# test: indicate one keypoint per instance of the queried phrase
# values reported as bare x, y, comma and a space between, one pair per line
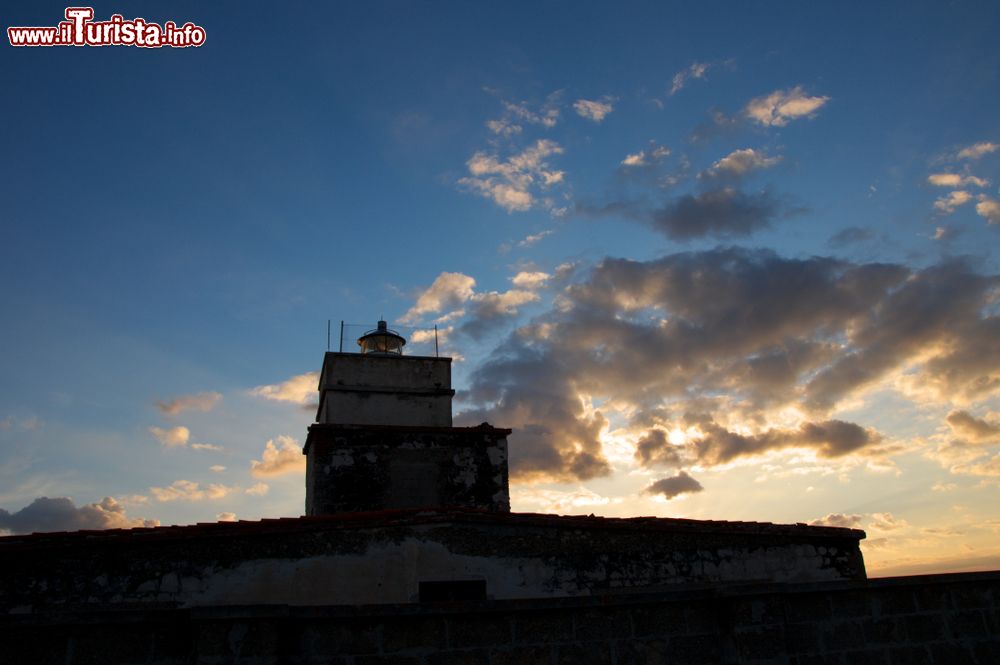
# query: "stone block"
807, 607
543, 627
387, 660
603, 624
886, 630
909, 655
477, 630
802, 638
332, 637
584, 653
236, 639
467, 657
967, 624
988, 652
761, 643
951, 653
693, 650
413, 633
843, 635
971, 597
764, 610
895, 601
850, 604
702, 617
537, 655
866, 657
652, 620
641, 652
932, 597
923, 628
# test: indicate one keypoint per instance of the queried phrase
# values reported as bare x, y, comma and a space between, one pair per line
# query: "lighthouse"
383, 437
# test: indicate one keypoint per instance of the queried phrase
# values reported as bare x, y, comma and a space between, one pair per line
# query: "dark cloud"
721, 213
530, 392
936, 308
673, 486
974, 429
850, 236
61, 514
730, 333
831, 438
654, 449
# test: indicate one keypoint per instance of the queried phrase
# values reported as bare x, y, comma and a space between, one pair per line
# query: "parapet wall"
940, 620
386, 557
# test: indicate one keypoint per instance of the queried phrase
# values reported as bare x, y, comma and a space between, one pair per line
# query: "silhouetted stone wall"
945, 619
369, 558
354, 468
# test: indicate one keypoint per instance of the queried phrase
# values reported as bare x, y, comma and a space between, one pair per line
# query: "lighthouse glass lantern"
382, 341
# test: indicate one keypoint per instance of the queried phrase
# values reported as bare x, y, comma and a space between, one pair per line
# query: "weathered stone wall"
355, 469
944, 620
383, 558
385, 390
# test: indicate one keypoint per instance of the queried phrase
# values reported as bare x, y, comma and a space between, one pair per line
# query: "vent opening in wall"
450, 590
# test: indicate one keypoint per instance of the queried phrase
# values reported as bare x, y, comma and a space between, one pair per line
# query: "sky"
729, 261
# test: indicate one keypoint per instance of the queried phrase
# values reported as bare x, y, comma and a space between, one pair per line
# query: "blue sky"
183, 222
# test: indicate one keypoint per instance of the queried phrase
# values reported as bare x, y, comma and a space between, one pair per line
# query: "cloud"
547, 115
513, 183
838, 519
886, 522
530, 279
977, 150
673, 486
781, 106
198, 402
646, 158
504, 127
850, 236
217, 468
990, 467
739, 163
722, 213
989, 209
556, 501
279, 458
594, 110
716, 342
947, 204
655, 449
489, 307
448, 291
534, 239
226, 517
211, 447
481, 309
171, 437
258, 489
696, 70
186, 490
831, 438
955, 180
299, 389
61, 514
974, 430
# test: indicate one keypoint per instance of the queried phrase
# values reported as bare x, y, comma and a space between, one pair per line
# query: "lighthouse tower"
383, 437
